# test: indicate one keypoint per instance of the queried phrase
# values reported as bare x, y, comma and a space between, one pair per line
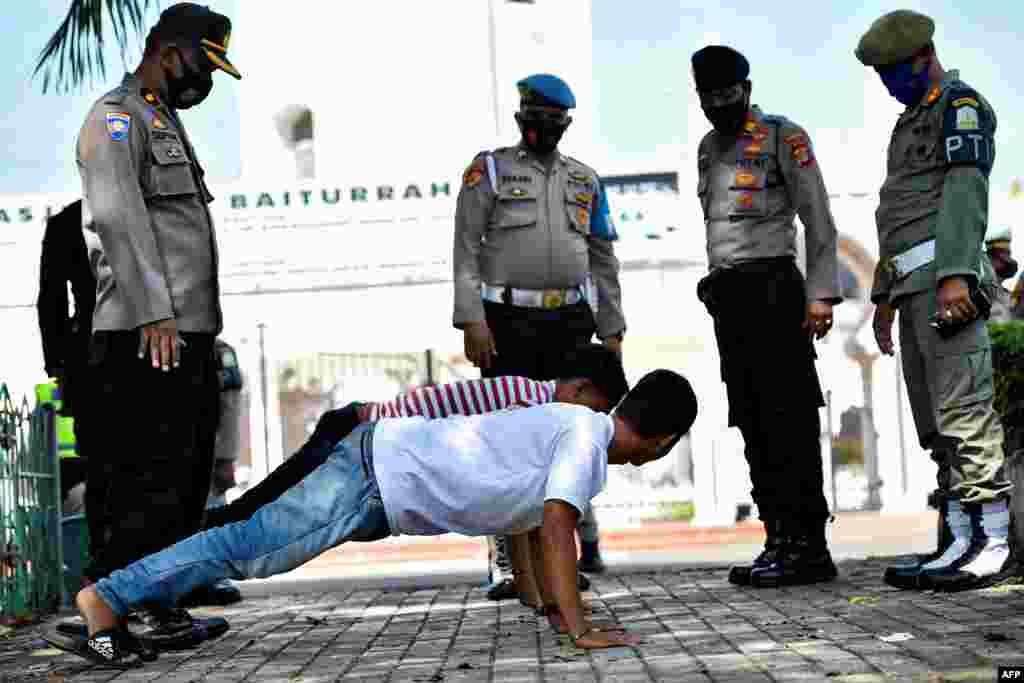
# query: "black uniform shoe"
176, 629
219, 594
590, 559
740, 574
502, 590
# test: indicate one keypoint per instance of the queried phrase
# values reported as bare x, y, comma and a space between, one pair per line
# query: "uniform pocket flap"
516, 207
171, 173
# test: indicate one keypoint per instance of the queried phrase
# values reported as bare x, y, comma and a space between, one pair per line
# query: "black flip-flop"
114, 648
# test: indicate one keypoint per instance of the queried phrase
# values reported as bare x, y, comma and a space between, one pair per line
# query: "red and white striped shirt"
472, 397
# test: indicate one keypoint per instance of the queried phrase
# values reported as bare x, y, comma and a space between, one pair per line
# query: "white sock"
959, 523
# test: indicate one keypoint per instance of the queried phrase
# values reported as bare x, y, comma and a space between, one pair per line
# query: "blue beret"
546, 90
717, 66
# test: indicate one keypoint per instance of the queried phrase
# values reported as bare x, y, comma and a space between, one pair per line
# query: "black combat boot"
740, 574
590, 558
803, 558
907, 574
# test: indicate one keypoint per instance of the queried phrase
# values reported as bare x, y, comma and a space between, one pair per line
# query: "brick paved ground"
695, 625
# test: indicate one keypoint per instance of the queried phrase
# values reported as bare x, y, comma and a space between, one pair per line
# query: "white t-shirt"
489, 474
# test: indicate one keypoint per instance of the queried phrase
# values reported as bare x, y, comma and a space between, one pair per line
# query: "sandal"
114, 648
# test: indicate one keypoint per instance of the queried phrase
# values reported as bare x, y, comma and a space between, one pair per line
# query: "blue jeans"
338, 502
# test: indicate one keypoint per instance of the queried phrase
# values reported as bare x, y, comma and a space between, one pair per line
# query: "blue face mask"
902, 83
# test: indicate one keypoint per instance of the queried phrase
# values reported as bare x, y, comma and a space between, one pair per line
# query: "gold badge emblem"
583, 216
552, 298
745, 179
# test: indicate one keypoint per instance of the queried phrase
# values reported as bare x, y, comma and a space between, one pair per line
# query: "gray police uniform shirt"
752, 186
149, 231
532, 231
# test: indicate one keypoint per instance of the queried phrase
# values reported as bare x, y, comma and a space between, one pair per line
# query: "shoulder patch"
118, 124
799, 145
474, 172
967, 130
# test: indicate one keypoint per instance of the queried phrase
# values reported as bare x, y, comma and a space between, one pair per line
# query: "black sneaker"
176, 629
502, 590
219, 594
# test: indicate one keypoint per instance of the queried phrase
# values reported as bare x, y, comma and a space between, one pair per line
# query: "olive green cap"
895, 37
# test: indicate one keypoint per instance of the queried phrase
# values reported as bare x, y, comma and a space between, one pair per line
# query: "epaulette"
117, 95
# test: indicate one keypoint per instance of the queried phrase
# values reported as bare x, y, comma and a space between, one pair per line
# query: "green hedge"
1008, 367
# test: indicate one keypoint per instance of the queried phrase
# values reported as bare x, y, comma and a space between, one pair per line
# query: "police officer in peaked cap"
932, 219
534, 263
757, 172
153, 248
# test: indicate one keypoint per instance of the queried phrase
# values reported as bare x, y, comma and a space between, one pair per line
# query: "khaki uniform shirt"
751, 188
147, 226
937, 187
532, 231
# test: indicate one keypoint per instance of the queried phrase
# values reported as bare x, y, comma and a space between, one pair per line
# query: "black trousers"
333, 426
774, 394
151, 446
532, 342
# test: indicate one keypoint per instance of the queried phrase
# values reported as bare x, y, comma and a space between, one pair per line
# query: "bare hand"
161, 340
479, 344
885, 316
954, 301
598, 639
819, 318
613, 344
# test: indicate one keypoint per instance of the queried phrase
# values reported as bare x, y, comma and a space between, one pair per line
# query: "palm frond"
74, 53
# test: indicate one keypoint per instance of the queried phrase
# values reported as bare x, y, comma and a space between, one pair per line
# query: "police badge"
118, 124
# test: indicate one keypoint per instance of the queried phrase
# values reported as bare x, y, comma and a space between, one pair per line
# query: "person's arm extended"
558, 546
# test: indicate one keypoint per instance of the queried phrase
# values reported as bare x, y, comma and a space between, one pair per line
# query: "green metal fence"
30, 531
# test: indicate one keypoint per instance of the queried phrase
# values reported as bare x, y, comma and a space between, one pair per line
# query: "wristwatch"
618, 336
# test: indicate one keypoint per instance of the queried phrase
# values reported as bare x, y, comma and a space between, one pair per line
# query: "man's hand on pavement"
599, 638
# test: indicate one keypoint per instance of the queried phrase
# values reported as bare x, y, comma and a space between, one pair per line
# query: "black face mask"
541, 134
1007, 269
729, 119
189, 89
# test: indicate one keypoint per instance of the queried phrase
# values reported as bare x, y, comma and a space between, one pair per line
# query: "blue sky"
801, 55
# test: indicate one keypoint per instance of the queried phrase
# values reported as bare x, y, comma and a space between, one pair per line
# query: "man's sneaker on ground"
176, 629
219, 594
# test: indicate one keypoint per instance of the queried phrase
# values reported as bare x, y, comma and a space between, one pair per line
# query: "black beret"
717, 66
